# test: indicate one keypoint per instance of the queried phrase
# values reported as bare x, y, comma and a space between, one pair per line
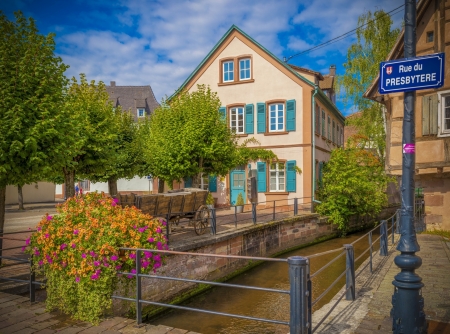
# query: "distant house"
280, 105
432, 116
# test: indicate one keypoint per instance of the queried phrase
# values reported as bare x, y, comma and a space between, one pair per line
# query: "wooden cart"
187, 203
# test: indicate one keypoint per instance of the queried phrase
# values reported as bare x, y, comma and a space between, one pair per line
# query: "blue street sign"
410, 74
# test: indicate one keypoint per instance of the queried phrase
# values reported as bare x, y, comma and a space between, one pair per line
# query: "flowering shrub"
78, 252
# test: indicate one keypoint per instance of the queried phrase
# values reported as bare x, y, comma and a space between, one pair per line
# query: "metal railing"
300, 292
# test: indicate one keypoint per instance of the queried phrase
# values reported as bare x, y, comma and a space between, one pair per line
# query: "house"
37, 192
432, 116
280, 105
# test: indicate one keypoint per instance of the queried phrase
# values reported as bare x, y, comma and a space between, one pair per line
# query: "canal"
263, 304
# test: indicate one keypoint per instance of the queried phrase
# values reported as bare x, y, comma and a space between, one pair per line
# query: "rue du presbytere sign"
409, 74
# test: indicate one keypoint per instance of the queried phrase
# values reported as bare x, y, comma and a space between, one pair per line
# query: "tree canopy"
33, 125
354, 183
188, 137
375, 39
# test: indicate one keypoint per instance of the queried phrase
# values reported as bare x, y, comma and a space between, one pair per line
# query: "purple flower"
113, 204
105, 264
118, 267
159, 245
36, 252
63, 246
49, 218
157, 258
75, 232
142, 229
94, 277
92, 253
83, 255
166, 247
157, 265
96, 263
27, 242
77, 279
49, 259
145, 264
114, 258
158, 230
133, 271
116, 200
164, 223
134, 226
147, 255
150, 240
64, 264
39, 228
132, 256
40, 262
47, 235
23, 248
74, 245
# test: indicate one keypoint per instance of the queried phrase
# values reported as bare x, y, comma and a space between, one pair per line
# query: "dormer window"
228, 71
141, 112
244, 69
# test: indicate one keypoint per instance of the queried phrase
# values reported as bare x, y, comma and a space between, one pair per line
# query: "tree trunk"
2, 216
196, 180
160, 186
20, 193
112, 186
69, 180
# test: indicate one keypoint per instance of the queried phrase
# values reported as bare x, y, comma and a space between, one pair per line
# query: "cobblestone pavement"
18, 316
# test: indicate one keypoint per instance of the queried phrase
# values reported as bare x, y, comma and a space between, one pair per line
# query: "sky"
160, 42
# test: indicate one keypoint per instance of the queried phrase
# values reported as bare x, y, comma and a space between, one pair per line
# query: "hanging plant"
77, 250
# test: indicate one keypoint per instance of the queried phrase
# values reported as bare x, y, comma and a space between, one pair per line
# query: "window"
204, 182
277, 177
237, 120
244, 69
141, 112
329, 127
430, 36
444, 112
323, 122
317, 119
276, 117
228, 71
334, 132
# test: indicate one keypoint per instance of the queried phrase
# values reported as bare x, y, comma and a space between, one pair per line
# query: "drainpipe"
313, 134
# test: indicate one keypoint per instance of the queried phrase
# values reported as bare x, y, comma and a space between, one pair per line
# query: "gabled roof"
302, 69
397, 50
234, 28
327, 83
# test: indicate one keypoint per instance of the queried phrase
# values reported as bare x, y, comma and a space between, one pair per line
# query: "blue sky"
160, 42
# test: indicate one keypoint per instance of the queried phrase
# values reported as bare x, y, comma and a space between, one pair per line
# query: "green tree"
95, 132
375, 39
188, 138
354, 183
34, 127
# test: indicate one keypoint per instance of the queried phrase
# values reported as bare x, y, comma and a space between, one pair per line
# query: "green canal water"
263, 304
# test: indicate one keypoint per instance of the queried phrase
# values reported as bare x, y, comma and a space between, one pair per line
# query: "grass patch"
442, 233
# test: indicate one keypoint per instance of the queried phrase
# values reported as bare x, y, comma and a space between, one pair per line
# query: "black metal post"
350, 272
138, 289
254, 213
407, 301
32, 280
370, 251
298, 278
213, 222
392, 233
383, 239
295, 206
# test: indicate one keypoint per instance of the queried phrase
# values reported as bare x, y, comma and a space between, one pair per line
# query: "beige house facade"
432, 116
281, 106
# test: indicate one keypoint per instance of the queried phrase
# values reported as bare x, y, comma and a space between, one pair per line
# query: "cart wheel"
201, 220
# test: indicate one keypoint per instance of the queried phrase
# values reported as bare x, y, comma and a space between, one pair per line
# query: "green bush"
240, 200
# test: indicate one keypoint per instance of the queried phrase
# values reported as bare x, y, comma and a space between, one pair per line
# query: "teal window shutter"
223, 113
290, 115
261, 172
261, 117
212, 183
249, 126
291, 176
188, 182
320, 173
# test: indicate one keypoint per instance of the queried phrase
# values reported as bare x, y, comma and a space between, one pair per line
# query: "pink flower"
23, 248
164, 223
36, 252
40, 263
74, 245
96, 263
150, 240
142, 229
83, 255
92, 253
77, 279
116, 200
47, 235
94, 277
118, 267
75, 232
132, 256
27, 242
49, 218
133, 271
159, 245
63, 246
114, 258
147, 255
145, 264
157, 265
157, 258
158, 230
39, 228
113, 204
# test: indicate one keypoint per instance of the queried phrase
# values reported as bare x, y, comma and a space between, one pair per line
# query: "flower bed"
78, 252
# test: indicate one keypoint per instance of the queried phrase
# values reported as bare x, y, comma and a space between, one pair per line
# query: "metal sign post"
407, 301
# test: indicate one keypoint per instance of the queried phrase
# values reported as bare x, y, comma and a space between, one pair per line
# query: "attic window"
430, 36
141, 112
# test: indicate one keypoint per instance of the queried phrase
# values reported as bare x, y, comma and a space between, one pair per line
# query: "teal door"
237, 180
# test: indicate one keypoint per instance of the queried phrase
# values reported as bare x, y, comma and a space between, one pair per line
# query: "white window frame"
249, 68
234, 117
277, 105
279, 174
230, 72
138, 110
204, 181
441, 113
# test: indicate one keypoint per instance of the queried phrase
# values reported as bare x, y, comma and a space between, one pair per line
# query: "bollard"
213, 222
138, 289
32, 280
350, 272
254, 213
370, 251
299, 293
383, 238
295, 206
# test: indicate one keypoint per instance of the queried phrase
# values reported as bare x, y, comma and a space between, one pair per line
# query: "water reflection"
262, 304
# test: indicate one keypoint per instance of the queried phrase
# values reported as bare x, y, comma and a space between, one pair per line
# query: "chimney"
332, 70
113, 84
